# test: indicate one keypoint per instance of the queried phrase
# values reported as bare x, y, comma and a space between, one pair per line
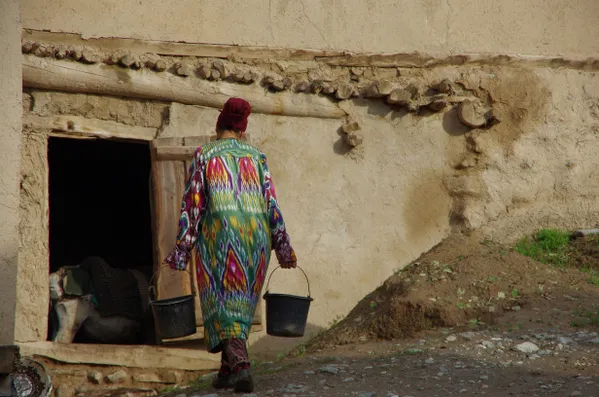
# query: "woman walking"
231, 217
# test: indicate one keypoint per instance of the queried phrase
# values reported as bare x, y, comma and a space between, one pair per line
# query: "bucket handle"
302, 270
152, 289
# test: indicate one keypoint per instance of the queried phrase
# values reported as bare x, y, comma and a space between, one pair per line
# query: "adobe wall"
360, 204
10, 129
416, 172
550, 27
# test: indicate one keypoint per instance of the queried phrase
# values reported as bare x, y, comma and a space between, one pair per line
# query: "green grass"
301, 350
549, 246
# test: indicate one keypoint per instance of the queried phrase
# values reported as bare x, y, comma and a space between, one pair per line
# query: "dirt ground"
466, 282
470, 317
440, 364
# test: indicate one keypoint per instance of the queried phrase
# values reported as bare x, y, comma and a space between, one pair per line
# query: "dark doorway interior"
99, 202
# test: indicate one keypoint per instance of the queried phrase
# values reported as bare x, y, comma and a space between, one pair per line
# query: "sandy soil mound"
465, 282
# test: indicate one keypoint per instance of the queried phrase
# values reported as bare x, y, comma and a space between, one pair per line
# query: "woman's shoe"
242, 381
221, 381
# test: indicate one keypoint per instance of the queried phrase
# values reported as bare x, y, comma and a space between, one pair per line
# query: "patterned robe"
231, 217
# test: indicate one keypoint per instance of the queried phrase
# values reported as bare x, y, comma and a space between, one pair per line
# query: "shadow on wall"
380, 109
340, 146
8, 294
271, 347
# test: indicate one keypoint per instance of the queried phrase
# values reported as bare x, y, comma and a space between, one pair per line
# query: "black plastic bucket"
286, 315
173, 317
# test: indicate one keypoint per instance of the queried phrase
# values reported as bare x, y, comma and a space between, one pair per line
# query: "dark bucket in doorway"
286, 315
173, 317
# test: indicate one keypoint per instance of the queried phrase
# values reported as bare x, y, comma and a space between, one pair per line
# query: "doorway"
99, 203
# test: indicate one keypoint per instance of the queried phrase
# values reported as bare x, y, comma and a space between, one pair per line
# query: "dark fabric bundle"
115, 290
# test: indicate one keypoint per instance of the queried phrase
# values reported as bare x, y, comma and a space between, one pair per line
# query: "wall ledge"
333, 58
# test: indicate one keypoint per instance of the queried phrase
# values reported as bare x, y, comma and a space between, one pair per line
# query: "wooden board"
174, 153
193, 358
168, 182
78, 126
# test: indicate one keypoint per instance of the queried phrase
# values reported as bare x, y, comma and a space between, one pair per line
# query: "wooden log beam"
79, 126
52, 74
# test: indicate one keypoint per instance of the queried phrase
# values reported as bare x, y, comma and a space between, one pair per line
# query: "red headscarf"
234, 115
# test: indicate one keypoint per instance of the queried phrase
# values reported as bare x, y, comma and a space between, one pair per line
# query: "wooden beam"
177, 153
165, 150
81, 126
420, 60
112, 44
52, 74
191, 359
71, 136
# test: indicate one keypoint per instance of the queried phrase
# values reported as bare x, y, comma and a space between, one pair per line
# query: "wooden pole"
585, 233
52, 74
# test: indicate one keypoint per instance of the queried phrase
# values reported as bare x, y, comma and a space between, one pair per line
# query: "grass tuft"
549, 246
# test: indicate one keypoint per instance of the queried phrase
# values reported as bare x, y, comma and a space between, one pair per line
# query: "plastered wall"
354, 222
351, 221
549, 27
354, 217
357, 215
10, 129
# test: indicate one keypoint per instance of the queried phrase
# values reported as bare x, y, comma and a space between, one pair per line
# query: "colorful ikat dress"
231, 217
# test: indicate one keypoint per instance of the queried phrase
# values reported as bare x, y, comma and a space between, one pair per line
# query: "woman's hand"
289, 265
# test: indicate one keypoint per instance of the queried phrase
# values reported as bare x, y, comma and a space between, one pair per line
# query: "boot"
223, 379
242, 381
